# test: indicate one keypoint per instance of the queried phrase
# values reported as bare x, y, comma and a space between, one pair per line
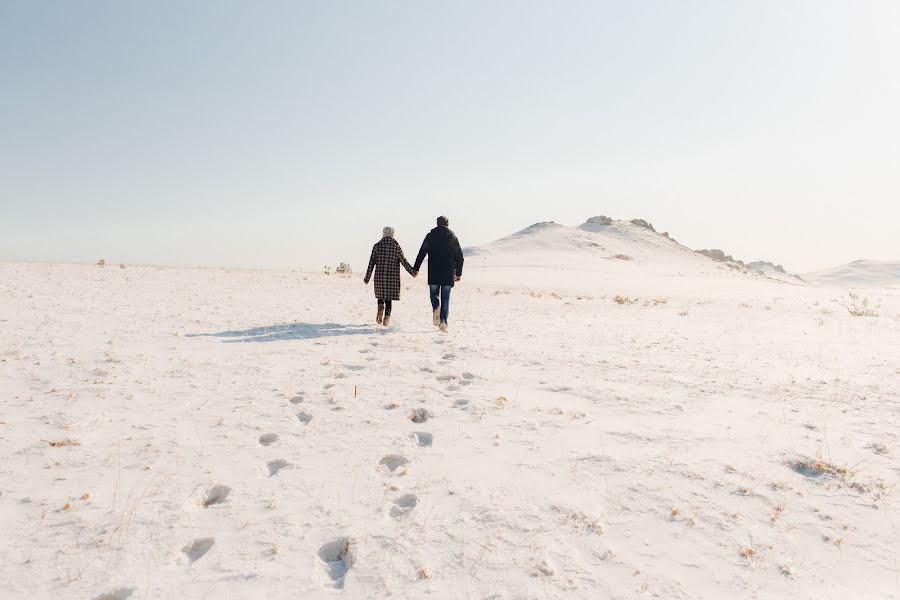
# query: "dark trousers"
387, 305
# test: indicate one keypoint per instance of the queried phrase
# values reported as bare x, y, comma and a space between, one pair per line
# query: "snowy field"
212, 433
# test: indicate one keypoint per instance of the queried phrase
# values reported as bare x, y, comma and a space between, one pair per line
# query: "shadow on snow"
291, 331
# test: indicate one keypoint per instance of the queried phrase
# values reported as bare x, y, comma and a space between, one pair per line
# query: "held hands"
458, 277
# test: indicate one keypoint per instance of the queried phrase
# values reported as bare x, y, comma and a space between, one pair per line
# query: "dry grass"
62, 443
622, 257
880, 449
655, 301
501, 402
818, 467
422, 573
860, 306
624, 299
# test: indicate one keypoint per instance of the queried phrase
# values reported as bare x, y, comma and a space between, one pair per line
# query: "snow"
859, 273
590, 427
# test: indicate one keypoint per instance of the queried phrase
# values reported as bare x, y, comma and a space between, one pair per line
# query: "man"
445, 264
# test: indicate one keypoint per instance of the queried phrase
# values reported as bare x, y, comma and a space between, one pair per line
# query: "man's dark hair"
443, 221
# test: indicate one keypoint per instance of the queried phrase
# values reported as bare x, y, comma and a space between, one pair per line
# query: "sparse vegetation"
859, 306
101, 263
655, 301
344, 269
624, 299
63, 443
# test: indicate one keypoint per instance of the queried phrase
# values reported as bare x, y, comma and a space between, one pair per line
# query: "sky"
287, 134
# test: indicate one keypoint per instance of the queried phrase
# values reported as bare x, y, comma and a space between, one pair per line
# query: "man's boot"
436, 318
380, 316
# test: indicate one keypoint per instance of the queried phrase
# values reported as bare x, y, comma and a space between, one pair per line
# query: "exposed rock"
715, 254
760, 264
600, 220
643, 223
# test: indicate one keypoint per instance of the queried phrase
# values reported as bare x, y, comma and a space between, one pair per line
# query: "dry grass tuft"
624, 299
501, 402
422, 573
62, 443
622, 257
818, 467
880, 449
860, 306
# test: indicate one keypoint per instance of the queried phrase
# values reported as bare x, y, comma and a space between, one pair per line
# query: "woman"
387, 256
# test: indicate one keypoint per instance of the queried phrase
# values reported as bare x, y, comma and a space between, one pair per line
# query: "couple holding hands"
445, 263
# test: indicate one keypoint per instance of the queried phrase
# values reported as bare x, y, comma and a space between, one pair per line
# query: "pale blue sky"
286, 134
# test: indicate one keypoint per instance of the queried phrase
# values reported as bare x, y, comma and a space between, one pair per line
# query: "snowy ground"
714, 437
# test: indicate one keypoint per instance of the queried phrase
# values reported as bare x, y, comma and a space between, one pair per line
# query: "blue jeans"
444, 302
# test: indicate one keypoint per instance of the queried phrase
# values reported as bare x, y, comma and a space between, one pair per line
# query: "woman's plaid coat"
387, 256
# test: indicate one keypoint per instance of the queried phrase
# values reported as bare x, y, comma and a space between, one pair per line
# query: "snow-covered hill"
859, 273
616, 250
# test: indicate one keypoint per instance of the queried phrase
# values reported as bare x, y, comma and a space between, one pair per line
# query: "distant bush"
101, 263
344, 269
327, 270
860, 307
624, 299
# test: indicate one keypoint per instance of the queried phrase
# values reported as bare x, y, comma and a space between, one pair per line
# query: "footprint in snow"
336, 560
117, 594
268, 439
216, 494
276, 465
392, 462
449, 356
446, 377
419, 415
298, 398
198, 548
423, 438
404, 505
461, 402
328, 386
304, 417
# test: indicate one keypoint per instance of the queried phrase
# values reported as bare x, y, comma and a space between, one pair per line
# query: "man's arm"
371, 266
423, 251
458, 257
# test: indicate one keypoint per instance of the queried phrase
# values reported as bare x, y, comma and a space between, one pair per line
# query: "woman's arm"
371, 266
